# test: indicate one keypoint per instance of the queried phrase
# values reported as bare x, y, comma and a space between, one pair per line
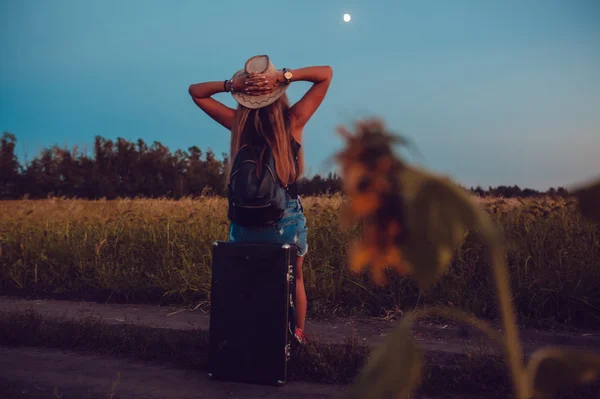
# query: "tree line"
124, 169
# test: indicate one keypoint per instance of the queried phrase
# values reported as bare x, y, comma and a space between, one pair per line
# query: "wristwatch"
287, 75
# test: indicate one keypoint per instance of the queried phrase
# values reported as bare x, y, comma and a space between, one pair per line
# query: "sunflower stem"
512, 344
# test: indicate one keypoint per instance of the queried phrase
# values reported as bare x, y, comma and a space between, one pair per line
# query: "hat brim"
255, 102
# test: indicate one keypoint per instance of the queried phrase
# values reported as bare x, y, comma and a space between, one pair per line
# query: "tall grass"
160, 251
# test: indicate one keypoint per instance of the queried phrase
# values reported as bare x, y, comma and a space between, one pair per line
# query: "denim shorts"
290, 229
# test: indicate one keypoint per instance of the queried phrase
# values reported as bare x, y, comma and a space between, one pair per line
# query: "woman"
264, 115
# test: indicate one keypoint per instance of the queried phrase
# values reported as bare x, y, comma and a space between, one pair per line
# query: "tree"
124, 168
10, 170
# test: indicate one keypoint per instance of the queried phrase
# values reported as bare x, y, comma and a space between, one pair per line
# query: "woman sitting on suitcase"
266, 156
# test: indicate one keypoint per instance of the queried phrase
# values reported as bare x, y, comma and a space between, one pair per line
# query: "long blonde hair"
267, 126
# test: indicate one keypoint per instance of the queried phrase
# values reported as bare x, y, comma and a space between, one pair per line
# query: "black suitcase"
252, 314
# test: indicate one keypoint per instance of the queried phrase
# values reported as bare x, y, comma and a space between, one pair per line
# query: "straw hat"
258, 64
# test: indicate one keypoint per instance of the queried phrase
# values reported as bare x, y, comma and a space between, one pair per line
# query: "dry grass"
160, 250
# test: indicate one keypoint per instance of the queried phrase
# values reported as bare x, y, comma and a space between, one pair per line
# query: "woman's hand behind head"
254, 84
268, 81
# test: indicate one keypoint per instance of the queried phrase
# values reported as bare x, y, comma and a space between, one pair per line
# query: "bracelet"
231, 85
225, 86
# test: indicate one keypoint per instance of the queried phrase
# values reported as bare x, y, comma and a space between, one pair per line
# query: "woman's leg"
300, 295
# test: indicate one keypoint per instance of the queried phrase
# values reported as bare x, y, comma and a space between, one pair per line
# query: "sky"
491, 93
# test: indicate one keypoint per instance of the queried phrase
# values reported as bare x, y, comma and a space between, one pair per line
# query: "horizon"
308, 176
491, 94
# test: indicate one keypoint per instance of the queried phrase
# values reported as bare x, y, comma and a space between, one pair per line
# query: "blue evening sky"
491, 92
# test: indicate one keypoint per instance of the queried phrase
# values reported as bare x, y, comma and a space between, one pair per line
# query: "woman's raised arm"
304, 109
202, 95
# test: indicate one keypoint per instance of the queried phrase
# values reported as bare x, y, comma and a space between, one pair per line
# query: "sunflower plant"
412, 222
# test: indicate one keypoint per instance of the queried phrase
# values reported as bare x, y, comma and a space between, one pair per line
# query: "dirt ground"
35, 373
443, 337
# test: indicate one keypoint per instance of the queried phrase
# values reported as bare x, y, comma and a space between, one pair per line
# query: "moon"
347, 17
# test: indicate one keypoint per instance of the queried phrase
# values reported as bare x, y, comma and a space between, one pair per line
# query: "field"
159, 251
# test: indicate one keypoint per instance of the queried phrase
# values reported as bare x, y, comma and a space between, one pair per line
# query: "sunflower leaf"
439, 216
552, 369
394, 369
589, 201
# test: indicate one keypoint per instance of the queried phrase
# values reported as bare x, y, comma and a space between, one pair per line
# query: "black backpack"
255, 200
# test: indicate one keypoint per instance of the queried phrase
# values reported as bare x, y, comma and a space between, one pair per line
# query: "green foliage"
9, 166
123, 169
